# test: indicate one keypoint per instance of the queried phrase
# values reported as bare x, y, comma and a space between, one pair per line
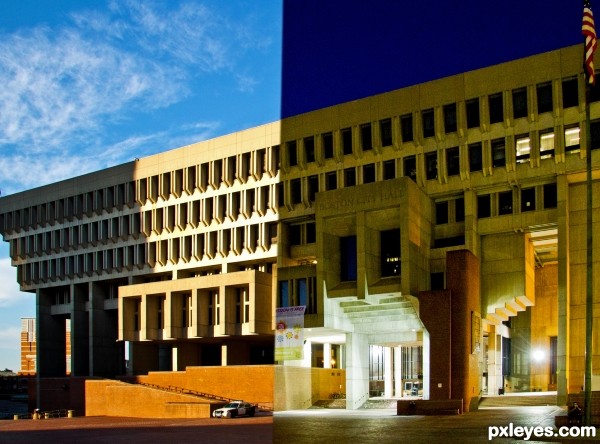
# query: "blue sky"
90, 84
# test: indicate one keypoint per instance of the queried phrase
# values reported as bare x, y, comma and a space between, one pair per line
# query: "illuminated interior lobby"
435, 235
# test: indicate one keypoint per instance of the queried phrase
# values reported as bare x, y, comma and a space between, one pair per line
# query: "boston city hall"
434, 235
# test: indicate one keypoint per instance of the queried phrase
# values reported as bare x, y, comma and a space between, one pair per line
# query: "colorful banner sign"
289, 333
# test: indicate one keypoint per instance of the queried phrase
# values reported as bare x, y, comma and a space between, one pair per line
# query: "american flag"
588, 29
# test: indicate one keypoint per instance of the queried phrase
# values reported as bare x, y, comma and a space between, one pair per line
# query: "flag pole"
588, 30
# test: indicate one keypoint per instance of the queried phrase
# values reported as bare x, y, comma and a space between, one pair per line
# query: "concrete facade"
470, 189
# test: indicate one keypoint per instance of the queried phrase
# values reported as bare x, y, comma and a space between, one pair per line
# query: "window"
572, 139
390, 252
570, 92
348, 258
544, 97
484, 208
385, 132
594, 93
505, 202
523, 148
428, 123
410, 167
284, 294
473, 113
327, 140
459, 209
309, 149
296, 190
295, 234
406, 123
365, 137
431, 165
389, 169
453, 161
498, 152
595, 134
437, 280
441, 212
313, 187
550, 195
369, 173
475, 157
527, 199
349, 177
292, 153
311, 232
331, 181
519, 97
450, 118
496, 108
546, 144
347, 141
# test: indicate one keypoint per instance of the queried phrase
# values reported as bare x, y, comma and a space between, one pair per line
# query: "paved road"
294, 427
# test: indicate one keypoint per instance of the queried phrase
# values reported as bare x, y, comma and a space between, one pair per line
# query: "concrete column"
106, 355
327, 355
398, 371
388, 374
426, 365
357, 370
564, 314
495, 378
79, 331
224, 355
50, 338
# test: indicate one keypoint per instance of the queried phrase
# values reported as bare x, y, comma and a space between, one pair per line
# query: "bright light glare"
538, 355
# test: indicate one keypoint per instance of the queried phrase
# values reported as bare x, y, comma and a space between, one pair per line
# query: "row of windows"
365, 133
109, 260
209, 174
298, 292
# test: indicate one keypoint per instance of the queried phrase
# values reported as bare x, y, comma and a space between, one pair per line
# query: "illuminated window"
390, 252
546, 144
527, 199
523, 148
572, 139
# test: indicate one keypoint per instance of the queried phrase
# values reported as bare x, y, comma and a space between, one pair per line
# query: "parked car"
235, 408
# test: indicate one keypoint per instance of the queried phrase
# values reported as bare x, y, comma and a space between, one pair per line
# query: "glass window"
284, 294
496, 108
428, 123
385, 132
406, 123
390, 252
347, 141
313, 187
311, 232
550, 195
519, 97
453, 161
523, 148
348, 268
475, 157
572, 139
369, 173
459, 209
431, 165
327, 139
296, 190
309, 149
527, 199
595, 134
331, 180
450, 118
546, 144
484, 208
389, 169
366, 140
499, 152
544, 97
292, 152
473, 113
349, 177
302, 291
441, 212
570, 92
505, 202
410, 167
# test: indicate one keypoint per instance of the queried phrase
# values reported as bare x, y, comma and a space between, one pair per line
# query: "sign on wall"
289, 333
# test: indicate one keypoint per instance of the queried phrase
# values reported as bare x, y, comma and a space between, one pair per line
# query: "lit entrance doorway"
396, 371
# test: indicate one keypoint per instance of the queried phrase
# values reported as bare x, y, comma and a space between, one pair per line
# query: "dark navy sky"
339, 50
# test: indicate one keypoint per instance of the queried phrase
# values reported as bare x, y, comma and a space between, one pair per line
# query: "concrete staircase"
519, 400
